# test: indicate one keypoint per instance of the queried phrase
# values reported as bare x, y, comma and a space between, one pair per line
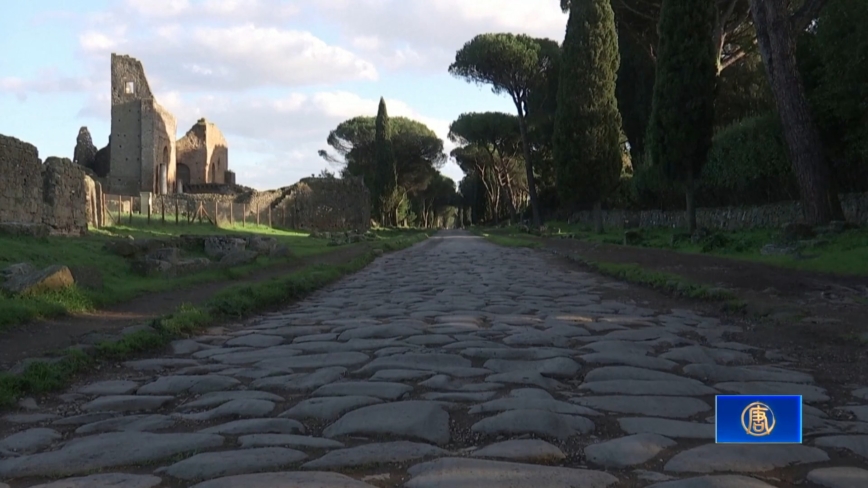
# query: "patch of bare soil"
817, 320
37, 338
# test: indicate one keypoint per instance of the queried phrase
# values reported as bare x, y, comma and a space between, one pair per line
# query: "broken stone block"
55, 277
17, 269
219, 246
238, 258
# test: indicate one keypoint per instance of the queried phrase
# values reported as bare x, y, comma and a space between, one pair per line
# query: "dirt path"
37, 338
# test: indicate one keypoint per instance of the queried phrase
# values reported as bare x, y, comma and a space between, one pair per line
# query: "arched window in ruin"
183, 174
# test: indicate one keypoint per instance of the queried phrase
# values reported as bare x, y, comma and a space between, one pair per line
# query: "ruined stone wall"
327, 204
158, 146
20, 182
51, 198
855, 207
218, 154
193, 154
205, 152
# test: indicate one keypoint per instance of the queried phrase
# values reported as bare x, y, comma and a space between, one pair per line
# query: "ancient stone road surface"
453, 364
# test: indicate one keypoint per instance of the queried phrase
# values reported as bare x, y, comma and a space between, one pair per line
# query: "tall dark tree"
682, 113
777, 43
512, 64
386, 176
587, 132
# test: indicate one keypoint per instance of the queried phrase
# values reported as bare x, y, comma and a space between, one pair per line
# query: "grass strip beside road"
231, 304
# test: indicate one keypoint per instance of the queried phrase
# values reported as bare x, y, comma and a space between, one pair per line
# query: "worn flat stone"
105, 480
525, 378
378, 389
257, 426
400, 375
683, 387
256, 340
211, 465
613, 373
288, 440
555, 367
715, 481
447, 383
538, 422
128, 423
855, 443
429, 340
678, 429
839, 477
628, 359
743, 458
251, 355
375, 454
536, 338
297, 479
627, 451
183, 347
481, 473
707, 355
412, 419
30, 440
661, 406
217, 398
619, 347
528, 402
527, 450
110, 387
309, 361
459, 397
328, 408
127, 403
195, 384
159, 364
302, 381
84, 418
720, 374
810, 393
528, 354
244, 407
102, 451
423, 361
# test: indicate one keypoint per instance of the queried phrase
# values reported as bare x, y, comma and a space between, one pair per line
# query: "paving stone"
683, 387
159, 364
196, 384
128, 423
256, 340
378, 389
661, 406
285, 480
423, 361
536, 338
84, 418
525, 378
555, 367
105, 480
400, 375
126, 403
860, 393
375, 454
855, 443
345, 359
629, 360
619, 347
718, 373
257, 426
327, 336
429, 340
110, 387
743, 458
810, 393
243, 408
412, 419
216, 398
861, 412
527, 450
530, 354
677, 429
538, 422
612, 373
627, 451
102, 451
288, 440
302, 381
459, 396
531, 402
715, 481
839, 477
251, 355
480, 473
328, 408
30, 440
210, 465
707, 355
183, 347
444, 382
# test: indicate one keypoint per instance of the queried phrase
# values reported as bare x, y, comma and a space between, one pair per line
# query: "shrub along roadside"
234, 303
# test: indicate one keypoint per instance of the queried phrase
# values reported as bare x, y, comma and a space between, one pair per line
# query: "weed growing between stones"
669, 283
238, 302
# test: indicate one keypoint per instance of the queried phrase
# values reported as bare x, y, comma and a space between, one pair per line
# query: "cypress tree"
587, 132
385, 177
682, 108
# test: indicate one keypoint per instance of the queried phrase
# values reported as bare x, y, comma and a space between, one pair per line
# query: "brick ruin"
55, 198
203, 157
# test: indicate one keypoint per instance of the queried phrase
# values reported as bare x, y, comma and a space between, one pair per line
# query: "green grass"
512, 240
119, 283
667, 282
845, 253
237, 302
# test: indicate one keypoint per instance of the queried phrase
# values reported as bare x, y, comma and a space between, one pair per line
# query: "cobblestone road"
452, 364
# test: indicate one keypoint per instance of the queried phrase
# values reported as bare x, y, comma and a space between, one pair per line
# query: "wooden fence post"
269, 216
131, 211
216, 221
257, 213
243, 214
163, 211
149, 212
120, 209
231, 213
177, 213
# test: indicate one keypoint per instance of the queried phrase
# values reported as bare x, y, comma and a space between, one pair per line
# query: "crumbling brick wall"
204, 154
51, 198
327, 204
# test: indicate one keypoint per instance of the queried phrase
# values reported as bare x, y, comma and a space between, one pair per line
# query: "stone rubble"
453, 364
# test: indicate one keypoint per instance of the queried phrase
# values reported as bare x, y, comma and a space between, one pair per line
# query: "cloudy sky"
275, 75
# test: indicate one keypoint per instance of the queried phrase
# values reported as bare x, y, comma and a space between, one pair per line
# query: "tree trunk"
598, 217
528, 165
777, 44
689, 196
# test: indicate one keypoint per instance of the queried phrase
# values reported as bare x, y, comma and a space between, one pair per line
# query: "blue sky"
275, 75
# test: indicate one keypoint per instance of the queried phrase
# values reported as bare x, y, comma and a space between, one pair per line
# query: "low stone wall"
55, 198
328, 204
726, 218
